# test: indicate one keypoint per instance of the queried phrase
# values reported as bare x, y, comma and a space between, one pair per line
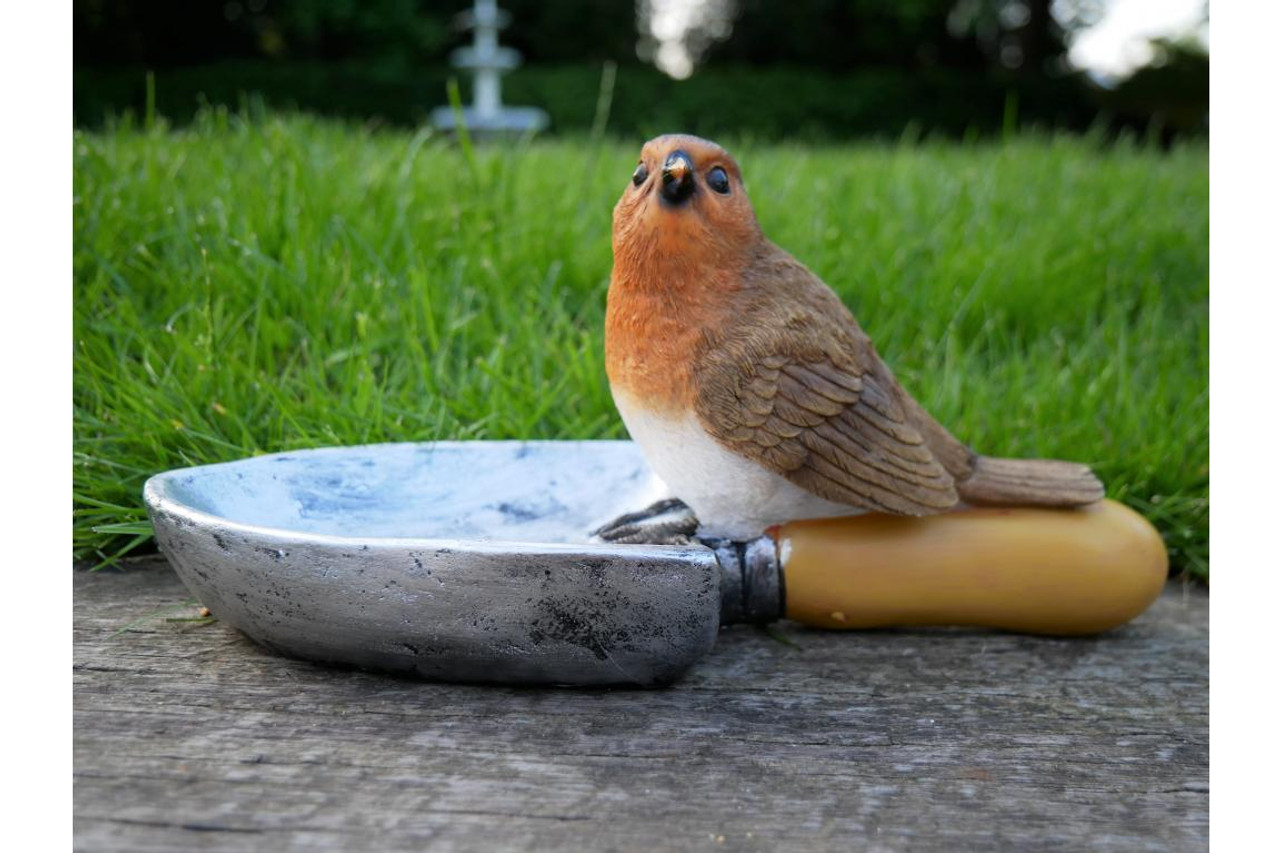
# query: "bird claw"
666, 522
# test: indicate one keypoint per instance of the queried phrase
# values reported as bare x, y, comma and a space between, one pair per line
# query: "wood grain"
189, 737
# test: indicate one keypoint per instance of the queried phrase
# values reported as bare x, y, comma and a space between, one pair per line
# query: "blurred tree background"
803, 69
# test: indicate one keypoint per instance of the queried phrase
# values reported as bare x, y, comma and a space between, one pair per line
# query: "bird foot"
666, 522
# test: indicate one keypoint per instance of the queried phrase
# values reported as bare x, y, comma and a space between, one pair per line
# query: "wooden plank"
190, 737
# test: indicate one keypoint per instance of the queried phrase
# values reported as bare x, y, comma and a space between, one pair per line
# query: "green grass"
248, 286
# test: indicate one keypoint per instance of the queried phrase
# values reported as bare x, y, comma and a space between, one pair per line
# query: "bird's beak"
677, 177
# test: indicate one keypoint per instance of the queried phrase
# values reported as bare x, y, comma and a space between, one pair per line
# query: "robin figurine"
751, 388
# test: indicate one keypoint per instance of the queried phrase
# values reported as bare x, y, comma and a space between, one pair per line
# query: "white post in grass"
488, 62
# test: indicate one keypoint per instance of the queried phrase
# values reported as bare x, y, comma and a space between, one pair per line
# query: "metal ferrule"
751, 588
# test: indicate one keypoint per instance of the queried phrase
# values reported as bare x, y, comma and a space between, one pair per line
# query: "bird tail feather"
1029, 482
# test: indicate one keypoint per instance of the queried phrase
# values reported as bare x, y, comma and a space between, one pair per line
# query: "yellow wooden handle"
1043, 571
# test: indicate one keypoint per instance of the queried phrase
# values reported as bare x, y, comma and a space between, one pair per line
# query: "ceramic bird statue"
752, 390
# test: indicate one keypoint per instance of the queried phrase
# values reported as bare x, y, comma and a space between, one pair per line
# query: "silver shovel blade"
458, 561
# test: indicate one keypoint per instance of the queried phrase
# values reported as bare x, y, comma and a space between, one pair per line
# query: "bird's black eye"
640, 175
718, 180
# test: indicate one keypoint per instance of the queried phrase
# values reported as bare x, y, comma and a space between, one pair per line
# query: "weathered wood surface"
189, 737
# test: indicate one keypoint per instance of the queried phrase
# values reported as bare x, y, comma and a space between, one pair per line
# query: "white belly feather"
731, 495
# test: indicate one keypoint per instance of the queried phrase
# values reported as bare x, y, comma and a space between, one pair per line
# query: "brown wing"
798, 387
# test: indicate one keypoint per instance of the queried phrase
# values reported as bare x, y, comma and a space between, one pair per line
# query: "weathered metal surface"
463, 562
751, 581
189, 737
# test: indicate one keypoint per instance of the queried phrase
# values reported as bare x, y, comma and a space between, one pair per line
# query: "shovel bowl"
455, 561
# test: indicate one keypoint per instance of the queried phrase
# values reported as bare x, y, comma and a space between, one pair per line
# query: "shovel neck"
751, 588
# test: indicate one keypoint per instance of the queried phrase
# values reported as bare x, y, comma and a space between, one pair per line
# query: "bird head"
684, 207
